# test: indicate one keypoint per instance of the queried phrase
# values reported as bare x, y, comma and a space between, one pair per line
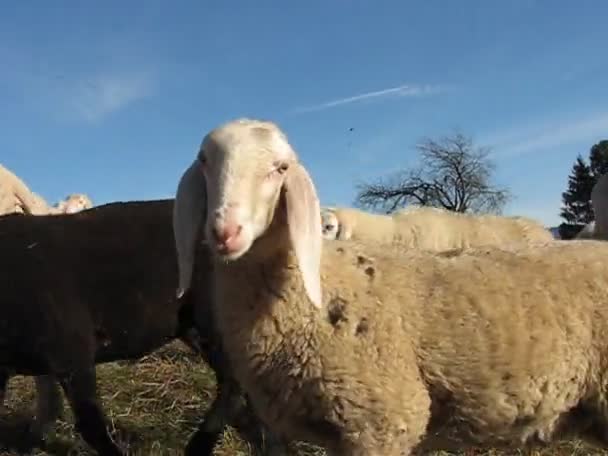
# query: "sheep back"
104, 277
437, 229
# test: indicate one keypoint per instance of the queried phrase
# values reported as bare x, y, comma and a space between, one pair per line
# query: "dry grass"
154, 406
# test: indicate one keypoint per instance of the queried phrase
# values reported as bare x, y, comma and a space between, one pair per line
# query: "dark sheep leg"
4, 376
265, 443
192, 340
49, 406
209, 430
230, 407
80, 389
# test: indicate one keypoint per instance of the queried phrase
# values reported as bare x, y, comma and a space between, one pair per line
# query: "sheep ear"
189, 212
304, 221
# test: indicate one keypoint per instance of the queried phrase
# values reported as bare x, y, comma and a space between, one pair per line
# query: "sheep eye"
202, 160
283, 167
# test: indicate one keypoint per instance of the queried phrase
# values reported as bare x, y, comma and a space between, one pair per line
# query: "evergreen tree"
576, 207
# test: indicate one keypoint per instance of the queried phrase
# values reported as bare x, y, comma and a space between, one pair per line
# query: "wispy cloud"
392, 92
93, 99
74, 94
547, 135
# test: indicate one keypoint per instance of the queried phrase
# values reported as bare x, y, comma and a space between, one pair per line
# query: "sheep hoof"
201, 444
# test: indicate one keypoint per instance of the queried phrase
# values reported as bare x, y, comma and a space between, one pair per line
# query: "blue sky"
113, 98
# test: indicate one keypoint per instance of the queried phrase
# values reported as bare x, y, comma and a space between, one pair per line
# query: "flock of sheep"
365, 334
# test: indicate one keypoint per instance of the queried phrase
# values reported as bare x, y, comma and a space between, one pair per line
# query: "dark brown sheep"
93, 287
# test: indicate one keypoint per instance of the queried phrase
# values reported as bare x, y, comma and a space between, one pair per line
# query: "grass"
154, 405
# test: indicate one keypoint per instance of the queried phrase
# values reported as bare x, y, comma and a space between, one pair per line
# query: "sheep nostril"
227, 233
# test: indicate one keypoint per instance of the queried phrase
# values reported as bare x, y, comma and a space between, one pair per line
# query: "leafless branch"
453, 174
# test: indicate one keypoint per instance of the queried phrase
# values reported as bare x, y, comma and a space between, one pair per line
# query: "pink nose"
226, 237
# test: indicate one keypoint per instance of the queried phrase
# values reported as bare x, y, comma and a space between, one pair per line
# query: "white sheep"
73, 203
345, 223
430, 228
400, 346
16, 196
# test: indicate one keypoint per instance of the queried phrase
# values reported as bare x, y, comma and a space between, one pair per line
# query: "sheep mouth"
226, 255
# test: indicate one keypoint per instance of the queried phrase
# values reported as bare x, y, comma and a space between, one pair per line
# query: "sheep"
345, 223
599, 201
15, 196
89, 288
366, 350
430, 228
73, 203
597, 229
22, 200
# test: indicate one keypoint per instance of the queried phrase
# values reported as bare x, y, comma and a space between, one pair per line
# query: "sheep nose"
226, 236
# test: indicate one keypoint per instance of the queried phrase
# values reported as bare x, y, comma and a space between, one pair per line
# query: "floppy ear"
189, 212
304, 221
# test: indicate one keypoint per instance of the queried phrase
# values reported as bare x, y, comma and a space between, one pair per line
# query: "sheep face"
242, 192
245, 170
76, 203
330, 225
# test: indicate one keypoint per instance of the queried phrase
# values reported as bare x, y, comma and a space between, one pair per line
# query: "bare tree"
453, 174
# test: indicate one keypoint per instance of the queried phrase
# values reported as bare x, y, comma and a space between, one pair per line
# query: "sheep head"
336, 226
75, 203
246, 171
330, 224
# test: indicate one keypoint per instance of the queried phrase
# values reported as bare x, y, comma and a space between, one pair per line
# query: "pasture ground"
154, 406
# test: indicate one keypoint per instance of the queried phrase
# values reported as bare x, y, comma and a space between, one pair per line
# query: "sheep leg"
192, 340
265, 442
49, 406
80, 389
222, 409
4, 376
597, 428
230, 407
